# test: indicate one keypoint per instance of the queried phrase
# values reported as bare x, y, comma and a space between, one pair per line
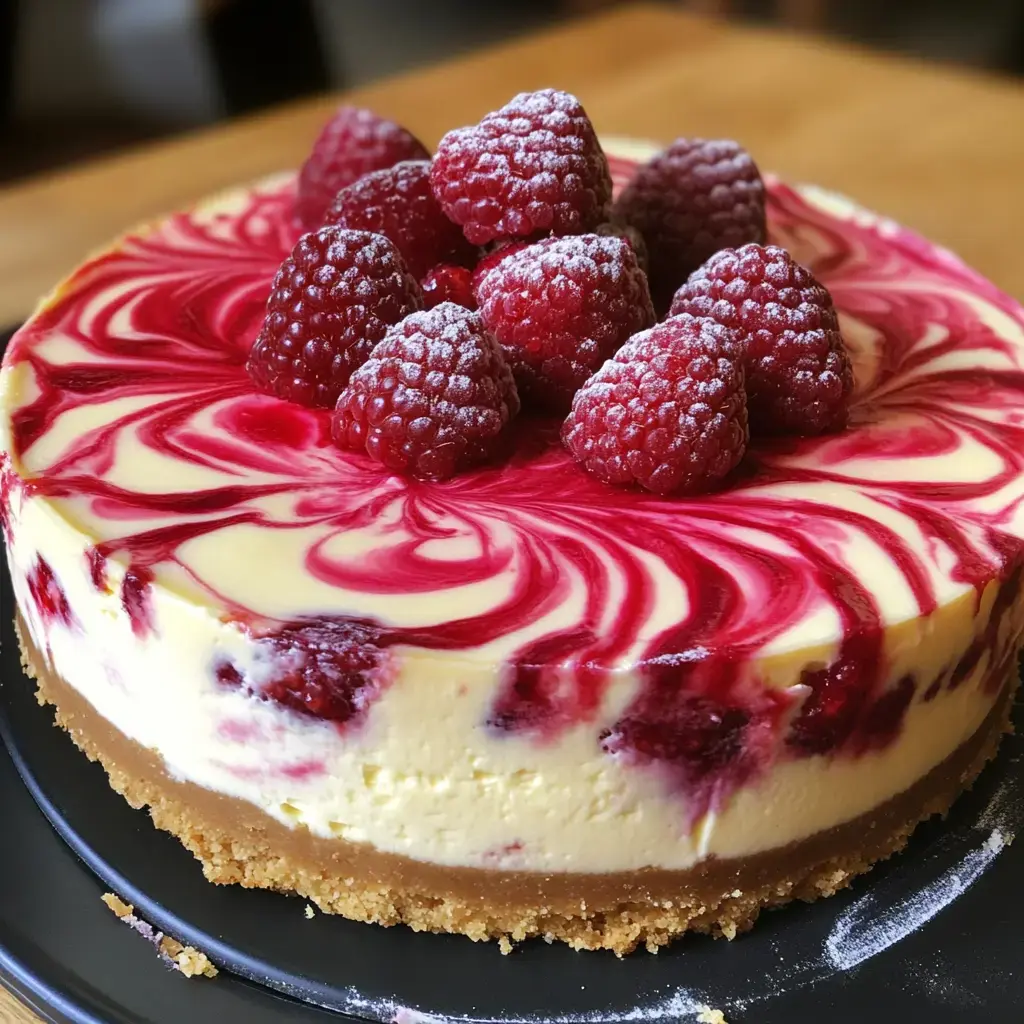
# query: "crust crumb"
707, 1015
310, 912
188, 960
184, 959
118, 905
504, 945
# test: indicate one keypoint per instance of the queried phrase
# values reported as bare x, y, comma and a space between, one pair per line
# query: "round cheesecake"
518, 702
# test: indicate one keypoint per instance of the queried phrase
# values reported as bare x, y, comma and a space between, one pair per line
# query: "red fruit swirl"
569, 578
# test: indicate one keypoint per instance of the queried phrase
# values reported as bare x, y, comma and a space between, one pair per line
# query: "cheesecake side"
164, 525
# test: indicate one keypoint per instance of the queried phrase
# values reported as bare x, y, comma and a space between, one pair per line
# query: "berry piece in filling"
535, 165
331, 302
397, 202
667, 412
7, 489
331, 669
353, 143
446, 283
798, 371
47, 594
689, 201
434, 397
560, 308
697, 739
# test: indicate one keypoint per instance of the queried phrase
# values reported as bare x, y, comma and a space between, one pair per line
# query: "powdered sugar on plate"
873, 923
864, 930
679, 1006
870, 925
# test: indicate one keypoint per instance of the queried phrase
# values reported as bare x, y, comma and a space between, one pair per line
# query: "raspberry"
434, 397
689, 201
668, 411
397, 202
798, 371
560, 308
331, 669
493, 258
331, 302
446, 283
534, 165
620, 229
353, 143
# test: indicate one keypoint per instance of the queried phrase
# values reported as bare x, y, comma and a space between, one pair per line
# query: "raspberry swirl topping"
135, 414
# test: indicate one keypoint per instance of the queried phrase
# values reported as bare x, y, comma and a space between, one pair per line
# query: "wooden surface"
12, 1012
938, 149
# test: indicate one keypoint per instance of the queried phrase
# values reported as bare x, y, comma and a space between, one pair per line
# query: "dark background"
83, 77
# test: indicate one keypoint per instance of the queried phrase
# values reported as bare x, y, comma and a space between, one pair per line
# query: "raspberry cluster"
433, 297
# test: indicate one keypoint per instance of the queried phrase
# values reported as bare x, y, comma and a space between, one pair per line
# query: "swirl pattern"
140, 421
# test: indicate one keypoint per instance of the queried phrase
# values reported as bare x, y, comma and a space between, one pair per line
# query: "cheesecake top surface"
126, 403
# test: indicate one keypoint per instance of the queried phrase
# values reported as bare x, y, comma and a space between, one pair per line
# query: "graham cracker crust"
237, 843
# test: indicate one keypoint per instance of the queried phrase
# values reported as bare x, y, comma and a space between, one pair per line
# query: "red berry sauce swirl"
529, 562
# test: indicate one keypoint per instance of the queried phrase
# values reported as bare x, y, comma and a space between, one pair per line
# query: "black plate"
902, 945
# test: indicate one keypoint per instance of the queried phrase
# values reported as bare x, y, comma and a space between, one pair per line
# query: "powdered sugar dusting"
555, 262
863, 931
679, 1005
1005, 810
869, 927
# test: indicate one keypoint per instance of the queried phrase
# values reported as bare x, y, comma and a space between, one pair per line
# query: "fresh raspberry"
689, 201
620, 229
446, 283
668, 411
397, 202
331, 302
560, 308
798, 371
493, 258
433, 398
353, 143
332, 669
534, 165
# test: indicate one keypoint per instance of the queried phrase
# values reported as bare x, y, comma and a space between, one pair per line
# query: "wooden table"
939, 149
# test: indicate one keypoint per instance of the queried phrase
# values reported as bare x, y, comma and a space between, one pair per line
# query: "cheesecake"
541, 705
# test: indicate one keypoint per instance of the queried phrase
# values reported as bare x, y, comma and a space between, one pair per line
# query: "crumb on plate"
708, 1015
185, 959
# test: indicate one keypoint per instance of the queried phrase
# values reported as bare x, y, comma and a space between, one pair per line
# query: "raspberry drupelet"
445, 283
